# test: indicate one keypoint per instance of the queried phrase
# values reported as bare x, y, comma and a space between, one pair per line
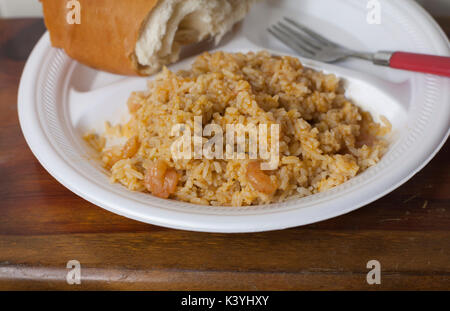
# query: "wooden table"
43, 226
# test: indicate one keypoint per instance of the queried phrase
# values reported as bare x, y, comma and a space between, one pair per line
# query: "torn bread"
138, 36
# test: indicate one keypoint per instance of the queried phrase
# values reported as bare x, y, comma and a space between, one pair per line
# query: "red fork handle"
438, 65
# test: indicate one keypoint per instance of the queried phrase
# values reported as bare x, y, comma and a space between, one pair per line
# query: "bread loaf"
138, 37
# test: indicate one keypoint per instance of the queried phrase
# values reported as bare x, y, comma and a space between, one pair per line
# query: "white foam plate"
60, 99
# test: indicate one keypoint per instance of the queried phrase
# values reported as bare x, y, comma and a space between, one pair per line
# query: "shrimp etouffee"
324, 139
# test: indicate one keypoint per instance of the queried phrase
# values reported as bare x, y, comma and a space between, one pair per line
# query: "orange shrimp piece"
160, 180
113, 155
130, 148
365, 139
171, 181
260, 180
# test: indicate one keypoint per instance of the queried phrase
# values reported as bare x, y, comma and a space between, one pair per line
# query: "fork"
310, 44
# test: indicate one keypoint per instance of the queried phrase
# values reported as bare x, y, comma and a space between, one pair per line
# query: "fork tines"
300, 38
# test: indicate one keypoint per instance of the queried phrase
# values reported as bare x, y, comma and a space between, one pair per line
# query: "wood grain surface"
43, 226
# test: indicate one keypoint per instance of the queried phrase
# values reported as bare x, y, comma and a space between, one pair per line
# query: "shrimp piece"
115, 154
130, 148
171, 181
365, 139
160, 180
260, 181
